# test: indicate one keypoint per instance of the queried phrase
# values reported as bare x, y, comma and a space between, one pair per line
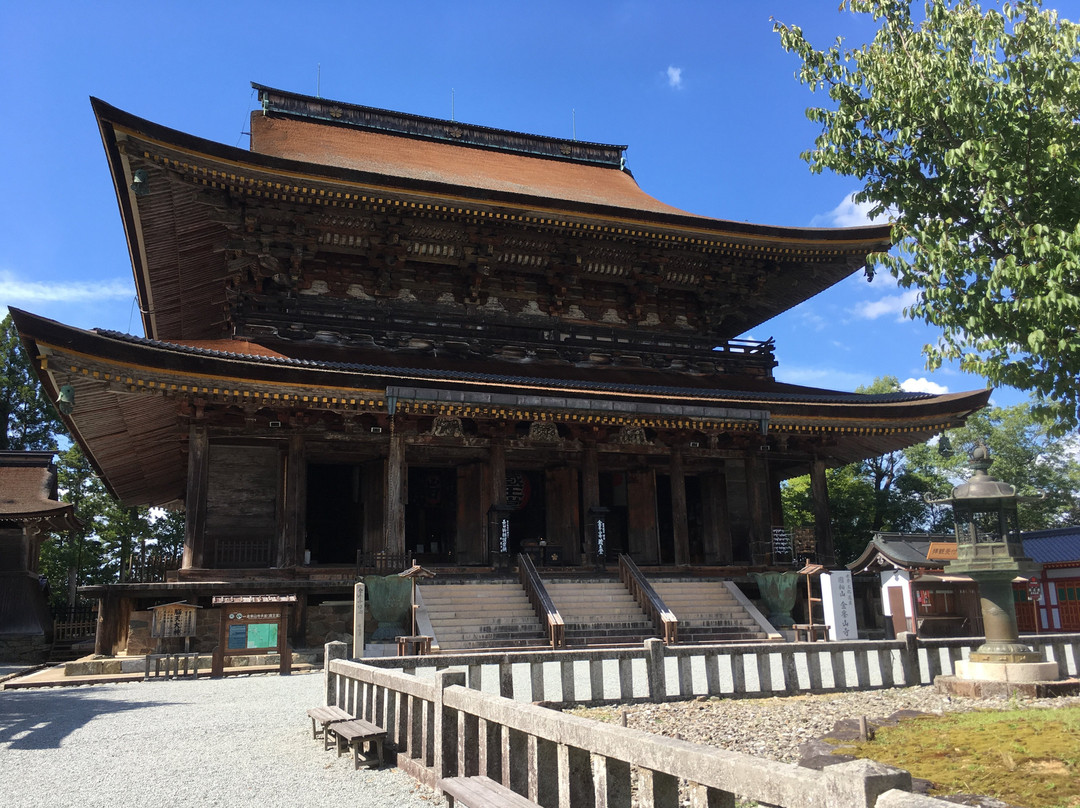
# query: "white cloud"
17, 292
923, 385
848, 213
674, 77
890, 304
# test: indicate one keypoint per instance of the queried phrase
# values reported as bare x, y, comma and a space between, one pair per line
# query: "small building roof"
28, 492
1054, 547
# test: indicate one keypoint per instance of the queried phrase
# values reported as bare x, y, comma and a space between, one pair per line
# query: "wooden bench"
481, 792
355, 733
324, 717
810, 632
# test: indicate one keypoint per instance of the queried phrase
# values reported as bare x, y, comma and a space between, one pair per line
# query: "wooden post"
679, 523
195, 498
717, 523
823, 534
642, 539
395, 496
759, 506
590, 496
291, 538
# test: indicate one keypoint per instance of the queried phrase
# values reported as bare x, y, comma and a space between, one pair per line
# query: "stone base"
1006, 671
987, 688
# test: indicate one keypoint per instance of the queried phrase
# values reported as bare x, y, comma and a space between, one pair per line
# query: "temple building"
375, 332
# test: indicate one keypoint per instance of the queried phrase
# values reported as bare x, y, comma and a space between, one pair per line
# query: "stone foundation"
30, 648
986, 688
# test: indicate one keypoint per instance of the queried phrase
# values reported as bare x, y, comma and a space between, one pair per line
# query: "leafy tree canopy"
27, 417
962, 127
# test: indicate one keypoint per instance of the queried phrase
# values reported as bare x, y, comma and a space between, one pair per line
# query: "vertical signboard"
838, 601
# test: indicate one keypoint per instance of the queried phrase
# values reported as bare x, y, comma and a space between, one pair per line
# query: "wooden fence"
439, 728
658, 673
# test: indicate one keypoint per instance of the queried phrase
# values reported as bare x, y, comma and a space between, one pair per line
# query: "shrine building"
374, 332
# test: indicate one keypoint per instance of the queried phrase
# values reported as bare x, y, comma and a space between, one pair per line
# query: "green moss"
1025, 757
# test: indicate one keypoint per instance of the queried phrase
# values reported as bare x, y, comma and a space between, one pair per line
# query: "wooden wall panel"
244, 486
563, 512
641, 516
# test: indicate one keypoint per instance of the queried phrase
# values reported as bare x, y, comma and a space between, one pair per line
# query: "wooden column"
759, 507
372, 485
641, 516
679, 526
394, 522
590, 496
717, 523
823, 533
563, 517
294, 517
472, 506
195, 498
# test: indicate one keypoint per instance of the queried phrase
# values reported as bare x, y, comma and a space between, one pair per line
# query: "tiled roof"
27, 488
1055, 546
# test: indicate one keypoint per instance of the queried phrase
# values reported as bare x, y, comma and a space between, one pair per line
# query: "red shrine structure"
375, 332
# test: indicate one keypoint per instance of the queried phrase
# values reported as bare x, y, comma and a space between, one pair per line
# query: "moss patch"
1024, 757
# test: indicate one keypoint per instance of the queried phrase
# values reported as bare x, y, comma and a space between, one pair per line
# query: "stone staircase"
708, 612
599, 612
470, 615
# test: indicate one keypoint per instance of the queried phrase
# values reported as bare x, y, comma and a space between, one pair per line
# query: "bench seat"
356, 733
481, 792
324, 717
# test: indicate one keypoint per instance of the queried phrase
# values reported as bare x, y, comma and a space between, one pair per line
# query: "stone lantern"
988, 550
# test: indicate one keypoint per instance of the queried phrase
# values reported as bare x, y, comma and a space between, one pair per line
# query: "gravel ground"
776, 727
240, 741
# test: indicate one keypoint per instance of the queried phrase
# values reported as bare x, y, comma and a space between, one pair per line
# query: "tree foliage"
962, 127
27, 417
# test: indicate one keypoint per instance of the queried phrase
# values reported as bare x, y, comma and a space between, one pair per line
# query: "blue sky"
700, 91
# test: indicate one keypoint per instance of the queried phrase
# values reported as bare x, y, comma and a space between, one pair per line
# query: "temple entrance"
431, 515
335, 512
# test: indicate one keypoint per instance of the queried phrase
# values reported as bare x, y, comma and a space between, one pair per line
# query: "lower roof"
127, 390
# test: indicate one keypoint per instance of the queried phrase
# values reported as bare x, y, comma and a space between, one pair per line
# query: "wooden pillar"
394, 522
195, 554
823, 533
372, 485
472, 507
717, 523
498, 472
294, 519
641, 516
590, 496
113, 622
759, 507
680, 527
563, 517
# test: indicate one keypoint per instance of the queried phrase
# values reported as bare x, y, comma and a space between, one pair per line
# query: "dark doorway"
431, 514
335, 513
613, 496
528, 519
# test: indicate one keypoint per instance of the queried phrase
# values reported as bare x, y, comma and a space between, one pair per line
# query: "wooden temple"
378, 332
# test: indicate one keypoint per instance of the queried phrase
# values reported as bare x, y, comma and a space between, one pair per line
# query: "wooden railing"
444, 727
541, 601
381, 562
651, 603
242, 553
74, 625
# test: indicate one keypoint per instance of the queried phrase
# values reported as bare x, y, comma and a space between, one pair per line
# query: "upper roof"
1055, 546
28, 492
179, 220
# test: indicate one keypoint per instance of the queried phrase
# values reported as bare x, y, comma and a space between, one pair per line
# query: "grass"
1029, 758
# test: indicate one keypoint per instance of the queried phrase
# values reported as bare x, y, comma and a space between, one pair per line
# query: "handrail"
541, 601
647, 598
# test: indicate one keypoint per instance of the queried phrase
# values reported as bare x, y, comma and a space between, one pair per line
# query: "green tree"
961, 126
27, 417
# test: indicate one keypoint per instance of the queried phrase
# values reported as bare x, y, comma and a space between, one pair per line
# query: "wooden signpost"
253, 624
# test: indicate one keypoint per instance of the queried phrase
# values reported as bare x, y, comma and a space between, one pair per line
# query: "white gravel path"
236, 742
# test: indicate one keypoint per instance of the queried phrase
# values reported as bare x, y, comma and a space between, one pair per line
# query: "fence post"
331, 651
446, 725
655, 669
909, 658
858, 783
